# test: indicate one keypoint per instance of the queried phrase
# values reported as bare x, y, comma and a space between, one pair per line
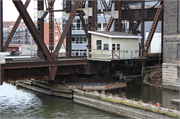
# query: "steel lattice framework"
50, 56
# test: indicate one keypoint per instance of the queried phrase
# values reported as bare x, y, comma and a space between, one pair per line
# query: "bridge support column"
1, 41
52, 72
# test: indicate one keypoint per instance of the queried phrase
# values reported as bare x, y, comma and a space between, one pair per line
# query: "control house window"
118, 46
99, 44
113, 47
106, 46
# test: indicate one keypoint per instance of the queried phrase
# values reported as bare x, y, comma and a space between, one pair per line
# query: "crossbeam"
33, 30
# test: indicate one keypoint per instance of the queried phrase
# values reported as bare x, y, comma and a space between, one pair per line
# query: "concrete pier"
123, 107
49, 90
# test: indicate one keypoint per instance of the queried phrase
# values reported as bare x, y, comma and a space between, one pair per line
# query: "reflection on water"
150, 95
18, 102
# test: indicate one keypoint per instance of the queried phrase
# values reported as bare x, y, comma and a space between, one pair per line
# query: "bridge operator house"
113, 45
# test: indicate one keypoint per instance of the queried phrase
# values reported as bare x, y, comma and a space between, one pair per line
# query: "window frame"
107, 48
98, 45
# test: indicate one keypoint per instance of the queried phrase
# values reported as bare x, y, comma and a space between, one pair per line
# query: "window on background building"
77, 40
56, 26
113, 47
81, 41
56, 37
78, 24
99, 44
99, 26
118, 46
73, 40
104, 26
56, 32
85, 40
106, 46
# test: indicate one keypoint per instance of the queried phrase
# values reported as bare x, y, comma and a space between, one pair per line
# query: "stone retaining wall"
123, 107
171, 76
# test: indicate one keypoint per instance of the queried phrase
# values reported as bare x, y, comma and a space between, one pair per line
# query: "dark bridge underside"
72, 70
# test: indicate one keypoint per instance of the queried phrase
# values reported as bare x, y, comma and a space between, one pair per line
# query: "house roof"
114, 34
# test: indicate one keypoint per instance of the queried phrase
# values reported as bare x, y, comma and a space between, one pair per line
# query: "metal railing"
112, 54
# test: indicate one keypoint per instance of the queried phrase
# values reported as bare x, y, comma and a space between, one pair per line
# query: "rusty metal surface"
31, 64
142, 25
33, 30
69, 33
153, 28
84, 25
117, 23
14, 28
51, 25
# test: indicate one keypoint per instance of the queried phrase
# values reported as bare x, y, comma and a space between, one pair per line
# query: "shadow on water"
17, 102
150, 95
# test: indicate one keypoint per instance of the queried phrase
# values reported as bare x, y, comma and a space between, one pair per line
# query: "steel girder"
69, 33
117, 24
92, 20
51, 25
33, 64
142, 25
1, 40
14, 28
66, 28
40, 25
33, 30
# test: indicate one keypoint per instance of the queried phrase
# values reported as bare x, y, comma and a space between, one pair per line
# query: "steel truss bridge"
77, 69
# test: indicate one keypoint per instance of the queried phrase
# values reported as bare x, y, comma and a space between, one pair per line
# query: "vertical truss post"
68, 35
51, 25
92, 20
142, 26
1, 42
1, 26
40, 26
117, 24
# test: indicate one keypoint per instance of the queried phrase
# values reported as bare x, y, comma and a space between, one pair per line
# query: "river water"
17, 102
151, 95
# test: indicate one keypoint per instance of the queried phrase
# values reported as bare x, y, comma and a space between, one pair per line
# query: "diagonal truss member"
33, 30
14, 28
153, 28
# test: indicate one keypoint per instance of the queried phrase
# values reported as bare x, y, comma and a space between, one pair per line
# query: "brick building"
23, 36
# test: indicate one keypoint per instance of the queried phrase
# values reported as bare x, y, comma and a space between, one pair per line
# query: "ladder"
109, 24
153, 28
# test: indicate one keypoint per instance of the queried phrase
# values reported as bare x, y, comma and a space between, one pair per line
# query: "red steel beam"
14, 28
66, 28
34, 64
33, 30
